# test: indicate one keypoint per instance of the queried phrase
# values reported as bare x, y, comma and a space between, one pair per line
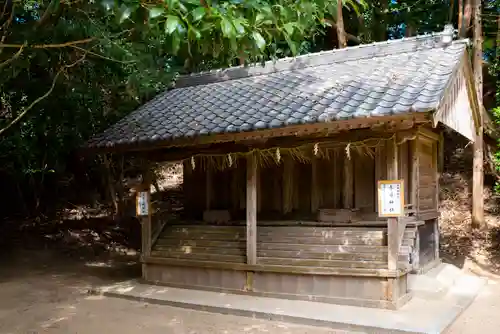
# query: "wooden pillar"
348, 186
277, 191
314, 185
392, 223
208, 187
379, 168
478, 157
288, 179
235, 187
337, 171
415, 177
403, 168
251, 210
435, 158
259, 189
146, 234
187, 183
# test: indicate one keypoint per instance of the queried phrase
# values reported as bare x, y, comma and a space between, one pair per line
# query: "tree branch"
103, 57
49, 46
25, 111
11, 59
349, 36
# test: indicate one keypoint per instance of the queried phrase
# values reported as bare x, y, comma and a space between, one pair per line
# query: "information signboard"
142, 203
391, 198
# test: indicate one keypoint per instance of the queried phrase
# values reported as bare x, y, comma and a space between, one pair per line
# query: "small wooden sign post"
143, 212
142, 203
391, 205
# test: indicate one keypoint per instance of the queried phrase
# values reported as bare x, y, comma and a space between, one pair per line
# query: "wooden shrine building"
281, 164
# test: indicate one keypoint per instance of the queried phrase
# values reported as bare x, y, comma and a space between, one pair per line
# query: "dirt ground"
41, 292
44, 293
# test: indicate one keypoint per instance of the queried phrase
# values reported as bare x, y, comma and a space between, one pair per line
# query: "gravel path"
41, 295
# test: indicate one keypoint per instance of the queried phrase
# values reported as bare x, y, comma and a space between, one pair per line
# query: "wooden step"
318, 248
199, 257
201, 243
321, 263
201, 250
238, 232
306, 254
347, 240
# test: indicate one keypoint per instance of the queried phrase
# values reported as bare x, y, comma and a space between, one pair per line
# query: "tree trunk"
410, 30
478, 164
382, 33
466, 19
452, 9
460, 16
340, 26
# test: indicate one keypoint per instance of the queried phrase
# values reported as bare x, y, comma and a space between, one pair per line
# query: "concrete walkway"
483, 315
418, 316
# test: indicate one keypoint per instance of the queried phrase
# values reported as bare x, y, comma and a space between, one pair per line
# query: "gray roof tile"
381, 79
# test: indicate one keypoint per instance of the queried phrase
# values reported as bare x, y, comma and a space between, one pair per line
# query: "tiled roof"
380, 79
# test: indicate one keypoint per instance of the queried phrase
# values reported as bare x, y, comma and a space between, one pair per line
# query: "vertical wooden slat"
288, 179
235, 184
259, 189
208, 187
295, 185
379, 168
336, 188
392, 223
314, 185
436, 173
187, 183
348, 191
404, 169
364, 183
414, 183
251, 210
277, 193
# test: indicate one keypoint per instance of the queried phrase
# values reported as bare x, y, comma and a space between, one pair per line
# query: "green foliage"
128, 51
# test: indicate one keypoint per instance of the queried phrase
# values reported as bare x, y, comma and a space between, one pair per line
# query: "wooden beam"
251, 210
392, 223
348, 186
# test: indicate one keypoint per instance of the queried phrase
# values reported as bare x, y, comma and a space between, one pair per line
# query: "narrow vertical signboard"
391, 198
142, 203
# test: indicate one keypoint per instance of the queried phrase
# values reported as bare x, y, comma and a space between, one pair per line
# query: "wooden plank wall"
286, 187
428, 187
364, 182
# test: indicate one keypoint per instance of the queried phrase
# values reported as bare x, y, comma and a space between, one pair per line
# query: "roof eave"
400, 121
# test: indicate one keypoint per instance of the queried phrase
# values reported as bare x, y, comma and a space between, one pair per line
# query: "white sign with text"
391, 198
142, 205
